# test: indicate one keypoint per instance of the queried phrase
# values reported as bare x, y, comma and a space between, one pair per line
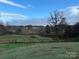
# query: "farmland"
60, 50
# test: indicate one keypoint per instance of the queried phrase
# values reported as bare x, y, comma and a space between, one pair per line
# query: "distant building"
29, 29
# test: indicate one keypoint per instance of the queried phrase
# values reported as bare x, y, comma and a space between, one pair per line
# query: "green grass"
62, 50
42, 51
23, 38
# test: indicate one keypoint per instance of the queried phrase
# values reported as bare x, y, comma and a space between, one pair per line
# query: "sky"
36, 12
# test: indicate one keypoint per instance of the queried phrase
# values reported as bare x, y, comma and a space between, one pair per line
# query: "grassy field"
23, 38
62, 50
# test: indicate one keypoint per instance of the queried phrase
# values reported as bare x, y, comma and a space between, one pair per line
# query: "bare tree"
57, 19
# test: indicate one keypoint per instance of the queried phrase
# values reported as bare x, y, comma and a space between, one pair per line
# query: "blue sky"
28, 11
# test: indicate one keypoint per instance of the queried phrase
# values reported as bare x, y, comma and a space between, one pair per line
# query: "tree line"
58, 27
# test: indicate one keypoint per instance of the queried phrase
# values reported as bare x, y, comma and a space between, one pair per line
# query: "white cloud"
72, 14
71, 11
12, 3
10, 16
35, 21
75, 10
